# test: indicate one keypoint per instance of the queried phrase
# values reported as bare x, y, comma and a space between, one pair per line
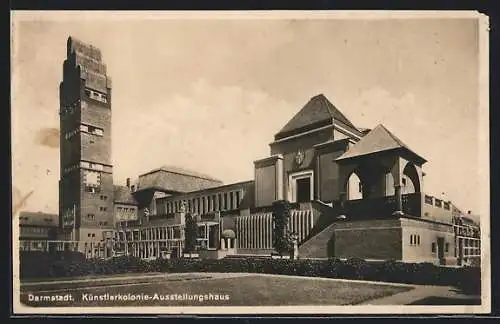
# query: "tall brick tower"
86, 180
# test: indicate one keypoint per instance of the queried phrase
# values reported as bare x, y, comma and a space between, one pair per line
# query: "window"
418, 239
433, 247
360, 187
92, 189
446, 247
238, 199
225, 201
403, 181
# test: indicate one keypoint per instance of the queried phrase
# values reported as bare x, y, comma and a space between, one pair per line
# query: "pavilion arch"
367, 180
412, 178
354, 187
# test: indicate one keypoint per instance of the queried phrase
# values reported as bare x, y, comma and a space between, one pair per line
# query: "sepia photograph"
267, 162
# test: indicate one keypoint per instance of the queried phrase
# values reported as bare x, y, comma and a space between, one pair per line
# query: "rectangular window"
418, 239
433, 247
219, 197
446, 247
225, 201
238, 199
411, 239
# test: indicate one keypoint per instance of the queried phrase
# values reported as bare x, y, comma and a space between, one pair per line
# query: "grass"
242, 291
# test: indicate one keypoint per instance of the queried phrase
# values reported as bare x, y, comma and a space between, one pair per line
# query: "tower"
86, 172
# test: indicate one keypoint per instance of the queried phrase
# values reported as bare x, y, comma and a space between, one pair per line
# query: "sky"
209, 94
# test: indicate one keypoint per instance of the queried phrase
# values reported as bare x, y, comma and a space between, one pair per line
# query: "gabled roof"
317, 110
122, 194
179, 170
377, 140
175, 179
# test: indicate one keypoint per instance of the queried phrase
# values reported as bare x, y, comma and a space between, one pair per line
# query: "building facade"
355, 192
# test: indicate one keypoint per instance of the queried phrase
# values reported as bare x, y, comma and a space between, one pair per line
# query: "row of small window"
37, 230
414, 239
47, 220
434, 247
226, 201
92, 189
104, 197
86, 165
92, 217
86, 129
124, 209
471, 243
96, 95
472, 251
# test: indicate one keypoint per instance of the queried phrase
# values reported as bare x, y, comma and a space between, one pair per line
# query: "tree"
191, 234
282, 242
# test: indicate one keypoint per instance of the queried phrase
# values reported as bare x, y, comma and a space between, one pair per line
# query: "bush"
468, 279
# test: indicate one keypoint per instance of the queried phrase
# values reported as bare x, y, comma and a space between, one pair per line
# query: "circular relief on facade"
299, 157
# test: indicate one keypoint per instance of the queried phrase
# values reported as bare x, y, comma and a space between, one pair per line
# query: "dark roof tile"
317, 110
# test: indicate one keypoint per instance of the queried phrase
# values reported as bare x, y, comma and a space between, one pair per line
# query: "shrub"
468, 279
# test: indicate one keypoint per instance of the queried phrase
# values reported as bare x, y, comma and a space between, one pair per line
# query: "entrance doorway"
303, 193
301, 186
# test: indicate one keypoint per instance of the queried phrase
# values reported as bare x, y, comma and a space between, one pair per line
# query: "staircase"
319, 243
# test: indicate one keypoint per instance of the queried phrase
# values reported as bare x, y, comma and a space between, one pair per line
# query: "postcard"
265, 162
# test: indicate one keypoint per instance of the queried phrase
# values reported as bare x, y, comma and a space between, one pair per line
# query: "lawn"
252, 290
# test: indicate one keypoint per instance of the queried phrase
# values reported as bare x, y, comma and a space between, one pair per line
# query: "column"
399, 202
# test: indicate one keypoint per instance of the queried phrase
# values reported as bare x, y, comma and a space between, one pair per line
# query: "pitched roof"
317, 109
38, 219
377, 140
175, 179
179, 170
122, 194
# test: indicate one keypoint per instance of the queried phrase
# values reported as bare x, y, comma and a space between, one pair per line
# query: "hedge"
465, 278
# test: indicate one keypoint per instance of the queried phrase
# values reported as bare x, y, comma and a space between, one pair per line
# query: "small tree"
191, 234
282, 242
